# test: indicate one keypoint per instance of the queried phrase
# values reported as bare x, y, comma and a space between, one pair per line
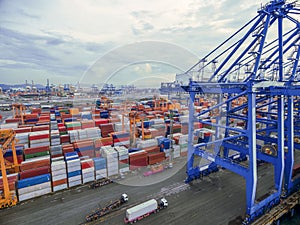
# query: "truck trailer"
107, 209
144, 209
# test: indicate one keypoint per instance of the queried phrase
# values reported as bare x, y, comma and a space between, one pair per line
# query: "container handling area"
224, 151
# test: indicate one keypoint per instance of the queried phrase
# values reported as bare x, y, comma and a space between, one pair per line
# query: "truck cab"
163, 203
124, 197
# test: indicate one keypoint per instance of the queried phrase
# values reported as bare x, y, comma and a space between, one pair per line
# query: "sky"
116, 41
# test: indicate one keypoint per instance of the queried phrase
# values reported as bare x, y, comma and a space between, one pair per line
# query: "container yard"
216, 146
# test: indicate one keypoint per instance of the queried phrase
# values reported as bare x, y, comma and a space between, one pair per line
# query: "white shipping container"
75, 178
34, 194
101, 173
33, 188
58, 172
74, 183
124, 169
59, 177
40, 144
9, 125
58, 165
90, 174
88, 170
141, 209
73, 168
88, 179
60, 187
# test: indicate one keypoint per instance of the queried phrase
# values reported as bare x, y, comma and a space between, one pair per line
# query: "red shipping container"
89, 153
59, 182
19, 158
34, 172
56, 156
87, 164
26, 165
65, 138
41, 128
100, 121
36, 150
23, 130
83, 143
39, 136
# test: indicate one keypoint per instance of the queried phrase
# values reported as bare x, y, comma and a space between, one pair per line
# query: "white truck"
144, 209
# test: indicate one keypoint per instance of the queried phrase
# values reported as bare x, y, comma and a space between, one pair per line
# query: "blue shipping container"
27, 182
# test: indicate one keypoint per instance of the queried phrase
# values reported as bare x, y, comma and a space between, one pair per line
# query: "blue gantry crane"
256, 85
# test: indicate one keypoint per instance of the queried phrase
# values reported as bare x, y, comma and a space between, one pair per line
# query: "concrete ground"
217, 200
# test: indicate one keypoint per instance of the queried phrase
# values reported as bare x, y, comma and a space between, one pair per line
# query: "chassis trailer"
107, 209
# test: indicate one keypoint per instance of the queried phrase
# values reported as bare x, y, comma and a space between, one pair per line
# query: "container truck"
107, 209
144, 209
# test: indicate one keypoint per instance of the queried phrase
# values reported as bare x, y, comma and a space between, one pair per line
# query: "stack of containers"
108, 141
31, 118
36, 152
39, 138
74, 136
121, 138
55, 137
100, 168
73, 125
157, 157
82, 134
183, 143
160, 127
11, 120
56, 151
87, 124
12, 179
41, 128
59, 174
123, 159
23, 139
73, 169
9, 126
62, 129
85, 148
112, 161
65, 139
64, 115
146, 143
86, 116
104, 114
67, 148
33, 187
19, 152
138, 159
119, 127
98, 122
106, 129
96, 114
93, 133
23, 130
176, 128
176, 153
35, 167
88, 170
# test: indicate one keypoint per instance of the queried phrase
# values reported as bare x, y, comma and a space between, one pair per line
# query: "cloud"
61, 39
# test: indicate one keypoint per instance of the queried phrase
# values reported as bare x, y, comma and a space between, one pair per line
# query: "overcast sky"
67, 41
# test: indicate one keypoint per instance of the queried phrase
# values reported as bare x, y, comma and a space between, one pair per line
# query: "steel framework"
256, 85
